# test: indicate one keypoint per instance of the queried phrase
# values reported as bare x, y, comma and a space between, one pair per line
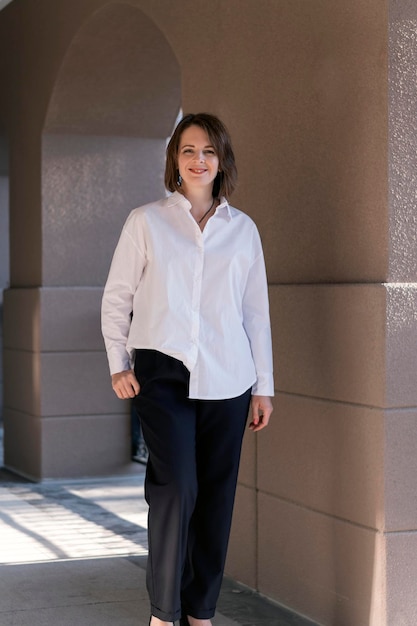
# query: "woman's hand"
125, 384
261, 407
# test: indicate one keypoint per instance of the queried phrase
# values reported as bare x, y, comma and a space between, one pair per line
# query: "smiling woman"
214, 137
194, 356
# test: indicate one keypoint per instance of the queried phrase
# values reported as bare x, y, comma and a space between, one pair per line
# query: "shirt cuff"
264, 385
119, 362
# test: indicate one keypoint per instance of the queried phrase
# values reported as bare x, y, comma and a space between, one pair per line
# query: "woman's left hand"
261, 408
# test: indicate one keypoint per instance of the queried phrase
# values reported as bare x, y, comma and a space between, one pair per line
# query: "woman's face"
198, 162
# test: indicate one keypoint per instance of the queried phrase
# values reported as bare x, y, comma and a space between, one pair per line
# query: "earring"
179, 180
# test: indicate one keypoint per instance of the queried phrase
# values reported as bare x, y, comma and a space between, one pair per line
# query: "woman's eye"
191, 151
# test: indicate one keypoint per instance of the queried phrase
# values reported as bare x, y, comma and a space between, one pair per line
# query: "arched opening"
114, 102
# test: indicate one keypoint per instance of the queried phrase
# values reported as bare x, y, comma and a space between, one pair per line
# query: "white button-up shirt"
200, 297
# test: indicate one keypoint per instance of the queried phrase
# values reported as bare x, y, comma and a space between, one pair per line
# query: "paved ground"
73, 553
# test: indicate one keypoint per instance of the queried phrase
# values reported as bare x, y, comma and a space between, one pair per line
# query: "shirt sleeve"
256, 322
126, 269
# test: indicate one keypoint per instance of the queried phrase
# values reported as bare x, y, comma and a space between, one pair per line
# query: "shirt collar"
178, 199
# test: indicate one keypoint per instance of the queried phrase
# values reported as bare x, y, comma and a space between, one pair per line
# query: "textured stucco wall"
403, 141
90, 184
401, 418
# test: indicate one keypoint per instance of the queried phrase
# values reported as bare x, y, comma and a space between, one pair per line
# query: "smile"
197, 171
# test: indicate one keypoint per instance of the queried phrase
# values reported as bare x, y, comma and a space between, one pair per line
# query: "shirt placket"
195, 307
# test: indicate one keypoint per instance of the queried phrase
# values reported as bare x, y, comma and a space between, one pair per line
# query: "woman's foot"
155, 621
193, 621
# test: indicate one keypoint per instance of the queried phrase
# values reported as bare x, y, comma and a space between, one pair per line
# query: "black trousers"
194, 452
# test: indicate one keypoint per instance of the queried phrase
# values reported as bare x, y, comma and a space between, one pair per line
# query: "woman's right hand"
125, 384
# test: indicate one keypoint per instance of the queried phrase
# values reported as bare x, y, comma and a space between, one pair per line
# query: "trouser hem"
164, 615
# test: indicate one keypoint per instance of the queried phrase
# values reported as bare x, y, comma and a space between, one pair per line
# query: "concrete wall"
320, 99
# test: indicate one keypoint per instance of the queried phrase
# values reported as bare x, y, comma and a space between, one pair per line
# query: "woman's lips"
197, 171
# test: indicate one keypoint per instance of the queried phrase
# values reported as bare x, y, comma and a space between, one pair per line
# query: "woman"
195, 354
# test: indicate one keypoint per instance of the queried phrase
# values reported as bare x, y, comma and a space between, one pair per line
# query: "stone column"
400, 477
330, 489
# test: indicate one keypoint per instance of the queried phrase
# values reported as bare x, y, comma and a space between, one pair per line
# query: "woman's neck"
200, 198
202, 204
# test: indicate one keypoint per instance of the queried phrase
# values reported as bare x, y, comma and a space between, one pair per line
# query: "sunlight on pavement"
75, 521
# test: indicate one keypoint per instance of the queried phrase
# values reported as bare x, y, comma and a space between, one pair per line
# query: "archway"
114, 103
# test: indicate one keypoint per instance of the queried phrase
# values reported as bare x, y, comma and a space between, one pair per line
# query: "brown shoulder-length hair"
226, 179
